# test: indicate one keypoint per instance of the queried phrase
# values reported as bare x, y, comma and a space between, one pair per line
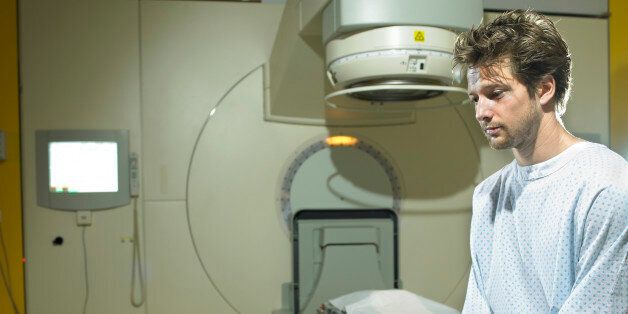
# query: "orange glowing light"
341, 140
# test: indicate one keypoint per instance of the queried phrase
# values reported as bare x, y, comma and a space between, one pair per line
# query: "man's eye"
497, 94
473, 100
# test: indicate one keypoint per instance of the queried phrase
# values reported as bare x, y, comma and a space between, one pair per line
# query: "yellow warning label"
419, 36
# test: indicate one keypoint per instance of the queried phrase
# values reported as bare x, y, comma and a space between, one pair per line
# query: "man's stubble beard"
521, 134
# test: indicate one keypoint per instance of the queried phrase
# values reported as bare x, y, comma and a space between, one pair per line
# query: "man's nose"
483, 110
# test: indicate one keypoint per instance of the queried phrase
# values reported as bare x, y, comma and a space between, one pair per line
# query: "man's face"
508, 116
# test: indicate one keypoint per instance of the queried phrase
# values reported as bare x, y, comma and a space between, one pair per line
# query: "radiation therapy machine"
394, 55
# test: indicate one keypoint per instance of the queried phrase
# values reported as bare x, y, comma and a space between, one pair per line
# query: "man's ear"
546, 90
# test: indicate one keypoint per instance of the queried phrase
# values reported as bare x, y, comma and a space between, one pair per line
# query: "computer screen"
82, 169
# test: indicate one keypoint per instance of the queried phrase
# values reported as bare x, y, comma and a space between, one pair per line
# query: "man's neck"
551, 139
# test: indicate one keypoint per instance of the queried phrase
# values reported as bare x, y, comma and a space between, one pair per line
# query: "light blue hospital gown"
552, 237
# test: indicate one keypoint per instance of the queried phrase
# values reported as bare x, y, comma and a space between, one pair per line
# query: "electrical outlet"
3, 146
83, 218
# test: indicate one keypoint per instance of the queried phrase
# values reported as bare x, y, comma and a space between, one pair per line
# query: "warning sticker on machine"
419, 36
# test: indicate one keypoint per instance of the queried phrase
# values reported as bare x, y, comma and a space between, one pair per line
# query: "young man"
549, 231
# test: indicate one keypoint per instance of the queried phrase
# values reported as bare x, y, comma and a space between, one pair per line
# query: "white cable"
457, 284
137, 260
137, 256
86, 272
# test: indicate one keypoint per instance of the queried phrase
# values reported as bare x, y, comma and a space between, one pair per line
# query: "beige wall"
79, 66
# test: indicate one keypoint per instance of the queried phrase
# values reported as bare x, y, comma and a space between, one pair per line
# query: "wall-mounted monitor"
82, 169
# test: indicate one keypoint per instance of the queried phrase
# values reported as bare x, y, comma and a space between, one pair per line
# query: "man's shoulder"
598, 164
595, 151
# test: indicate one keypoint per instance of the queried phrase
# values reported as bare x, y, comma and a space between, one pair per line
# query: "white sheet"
389, 301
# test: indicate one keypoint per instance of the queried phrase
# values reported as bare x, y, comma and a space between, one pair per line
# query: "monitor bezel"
81, 201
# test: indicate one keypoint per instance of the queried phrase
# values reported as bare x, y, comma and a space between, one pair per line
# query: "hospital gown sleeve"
601, 278
474, 301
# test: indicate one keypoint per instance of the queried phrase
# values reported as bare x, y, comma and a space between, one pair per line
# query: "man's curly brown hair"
529, 41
